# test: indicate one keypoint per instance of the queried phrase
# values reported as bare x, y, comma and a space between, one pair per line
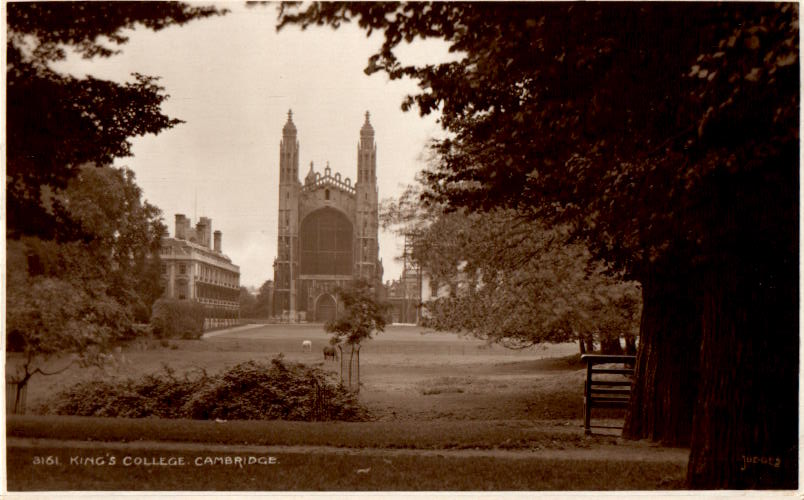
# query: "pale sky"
233, 79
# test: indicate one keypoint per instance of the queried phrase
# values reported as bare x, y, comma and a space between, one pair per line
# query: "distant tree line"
509, 279
259, 306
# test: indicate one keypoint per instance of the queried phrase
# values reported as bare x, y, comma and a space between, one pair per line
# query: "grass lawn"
436, 435
448, 413
405, 373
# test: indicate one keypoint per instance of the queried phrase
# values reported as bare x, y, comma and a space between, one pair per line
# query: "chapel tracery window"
326, 243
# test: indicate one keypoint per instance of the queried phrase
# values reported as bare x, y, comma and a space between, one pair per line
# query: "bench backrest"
606, 392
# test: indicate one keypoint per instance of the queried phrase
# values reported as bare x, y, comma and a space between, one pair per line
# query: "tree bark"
590, 344
358, 368
581, 346
666, 374
351, 359
610, 346
630, 345
745, 431
340, 362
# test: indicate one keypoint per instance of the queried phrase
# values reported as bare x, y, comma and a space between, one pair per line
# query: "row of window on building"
207, 273
216, 293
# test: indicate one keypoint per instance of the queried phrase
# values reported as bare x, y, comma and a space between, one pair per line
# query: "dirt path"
625, 451
218, 333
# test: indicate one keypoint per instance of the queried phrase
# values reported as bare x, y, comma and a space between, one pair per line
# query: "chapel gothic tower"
327, 230
285, 266
367, 217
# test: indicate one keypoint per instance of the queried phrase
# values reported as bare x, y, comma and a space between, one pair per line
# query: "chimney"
181, 224
217, 241
203, 229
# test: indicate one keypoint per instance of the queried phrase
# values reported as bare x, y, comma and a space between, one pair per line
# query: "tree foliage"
50, 314
556, 112
363, 315
263, 308
84, 292
82, 245
512, 280
178, 319
247, 303
55, 123
103, 209
666, 136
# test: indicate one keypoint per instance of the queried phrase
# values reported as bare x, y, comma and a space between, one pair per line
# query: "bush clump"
248, 391
182, 319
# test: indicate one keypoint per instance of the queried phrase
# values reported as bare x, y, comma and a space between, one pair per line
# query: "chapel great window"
326, 243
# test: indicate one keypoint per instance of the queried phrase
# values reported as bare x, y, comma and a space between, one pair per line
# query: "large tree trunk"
666, 374
745, 433
610, 346
630, 345
590, 344
748, 409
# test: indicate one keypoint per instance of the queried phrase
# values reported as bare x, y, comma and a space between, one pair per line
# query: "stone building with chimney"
327, 234
194, 267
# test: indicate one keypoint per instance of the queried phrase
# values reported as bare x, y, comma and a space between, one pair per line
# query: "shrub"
141, 330
177, 319
248, 391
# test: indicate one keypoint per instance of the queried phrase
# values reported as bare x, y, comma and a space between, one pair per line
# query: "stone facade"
192, 269
327, 230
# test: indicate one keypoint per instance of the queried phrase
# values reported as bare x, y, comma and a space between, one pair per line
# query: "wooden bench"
606, 392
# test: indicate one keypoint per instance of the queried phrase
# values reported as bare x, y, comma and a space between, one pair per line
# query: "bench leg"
587, 400
587, 416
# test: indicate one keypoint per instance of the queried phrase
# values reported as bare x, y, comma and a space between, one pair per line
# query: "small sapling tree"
363, 315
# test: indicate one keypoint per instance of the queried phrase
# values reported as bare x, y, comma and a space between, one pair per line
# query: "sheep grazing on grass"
307, 346
330, 352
